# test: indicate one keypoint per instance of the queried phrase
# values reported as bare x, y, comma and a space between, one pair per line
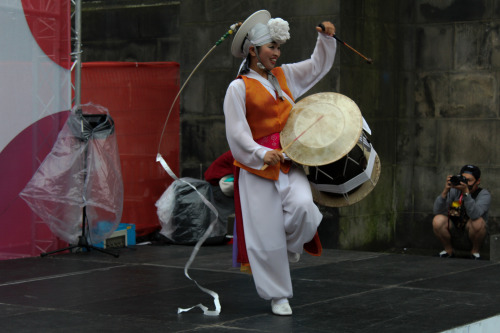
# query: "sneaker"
281, 307
475, 256
444, 254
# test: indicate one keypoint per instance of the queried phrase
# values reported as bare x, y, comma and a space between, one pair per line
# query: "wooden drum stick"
264, 167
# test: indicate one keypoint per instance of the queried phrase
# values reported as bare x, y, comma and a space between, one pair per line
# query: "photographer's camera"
456, 180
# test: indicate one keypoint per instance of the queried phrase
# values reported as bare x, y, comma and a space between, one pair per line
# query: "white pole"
78, 53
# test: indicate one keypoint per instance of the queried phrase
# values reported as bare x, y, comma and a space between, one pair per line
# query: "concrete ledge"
495, 247
482, 326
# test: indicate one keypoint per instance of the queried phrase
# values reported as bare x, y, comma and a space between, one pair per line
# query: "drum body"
324, 133
347, 180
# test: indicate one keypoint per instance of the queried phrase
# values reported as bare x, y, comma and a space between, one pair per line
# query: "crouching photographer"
461, 208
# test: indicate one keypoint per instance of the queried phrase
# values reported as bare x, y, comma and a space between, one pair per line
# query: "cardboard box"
123, 236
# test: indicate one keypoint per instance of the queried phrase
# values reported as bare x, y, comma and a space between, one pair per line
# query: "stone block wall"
130, 30
448, 108
431, 96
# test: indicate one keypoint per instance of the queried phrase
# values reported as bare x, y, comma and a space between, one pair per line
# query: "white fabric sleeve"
302, 76
239, 136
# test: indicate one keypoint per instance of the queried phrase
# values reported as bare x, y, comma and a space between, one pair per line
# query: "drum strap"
274, 81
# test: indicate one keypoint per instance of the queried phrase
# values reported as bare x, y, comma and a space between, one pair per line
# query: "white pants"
277, 216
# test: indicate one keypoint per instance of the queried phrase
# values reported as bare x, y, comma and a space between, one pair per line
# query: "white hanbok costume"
278, 216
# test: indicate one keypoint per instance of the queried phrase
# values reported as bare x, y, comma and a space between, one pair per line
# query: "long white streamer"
207, 233
200, 242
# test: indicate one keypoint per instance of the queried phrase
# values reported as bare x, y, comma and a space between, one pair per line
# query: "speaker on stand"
87, 127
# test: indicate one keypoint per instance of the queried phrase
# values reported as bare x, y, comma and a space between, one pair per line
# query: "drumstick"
368, 60
264, 167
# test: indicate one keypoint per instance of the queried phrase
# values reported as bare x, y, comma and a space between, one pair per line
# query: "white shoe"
282, 308
293, 257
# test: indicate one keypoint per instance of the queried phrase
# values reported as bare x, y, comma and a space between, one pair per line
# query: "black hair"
246, 67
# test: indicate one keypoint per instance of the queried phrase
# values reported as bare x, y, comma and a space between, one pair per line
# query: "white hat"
261, 29
261, 16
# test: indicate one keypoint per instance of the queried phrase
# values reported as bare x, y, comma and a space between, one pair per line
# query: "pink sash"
271, 141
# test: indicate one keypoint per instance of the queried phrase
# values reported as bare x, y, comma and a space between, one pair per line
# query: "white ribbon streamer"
165, 166
200, 242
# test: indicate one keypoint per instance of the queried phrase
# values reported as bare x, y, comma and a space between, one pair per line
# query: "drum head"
330, 138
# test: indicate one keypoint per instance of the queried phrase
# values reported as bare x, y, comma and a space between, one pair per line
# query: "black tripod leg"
60, 250
82, 244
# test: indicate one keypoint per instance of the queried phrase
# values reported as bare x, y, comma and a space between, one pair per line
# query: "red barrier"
138, 97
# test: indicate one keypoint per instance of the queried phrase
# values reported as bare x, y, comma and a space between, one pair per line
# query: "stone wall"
431, 96
130, 30
448, 108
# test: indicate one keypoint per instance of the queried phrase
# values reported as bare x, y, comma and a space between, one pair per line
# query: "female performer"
279, 215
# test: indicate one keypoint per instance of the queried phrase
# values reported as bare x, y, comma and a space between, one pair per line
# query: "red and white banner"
35, 99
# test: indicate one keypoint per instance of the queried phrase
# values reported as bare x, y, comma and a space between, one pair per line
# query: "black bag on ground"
184, 216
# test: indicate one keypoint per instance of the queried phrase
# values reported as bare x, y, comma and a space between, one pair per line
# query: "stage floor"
341, 291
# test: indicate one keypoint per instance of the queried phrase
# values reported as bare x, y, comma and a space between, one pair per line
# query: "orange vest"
265, 116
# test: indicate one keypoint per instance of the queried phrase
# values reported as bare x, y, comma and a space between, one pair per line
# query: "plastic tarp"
82, 170
184, 217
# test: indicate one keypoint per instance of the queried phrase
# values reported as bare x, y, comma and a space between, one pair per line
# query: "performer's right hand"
272, 157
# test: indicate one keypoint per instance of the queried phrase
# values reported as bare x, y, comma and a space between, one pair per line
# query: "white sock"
443, 252
477, 255
279, 301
